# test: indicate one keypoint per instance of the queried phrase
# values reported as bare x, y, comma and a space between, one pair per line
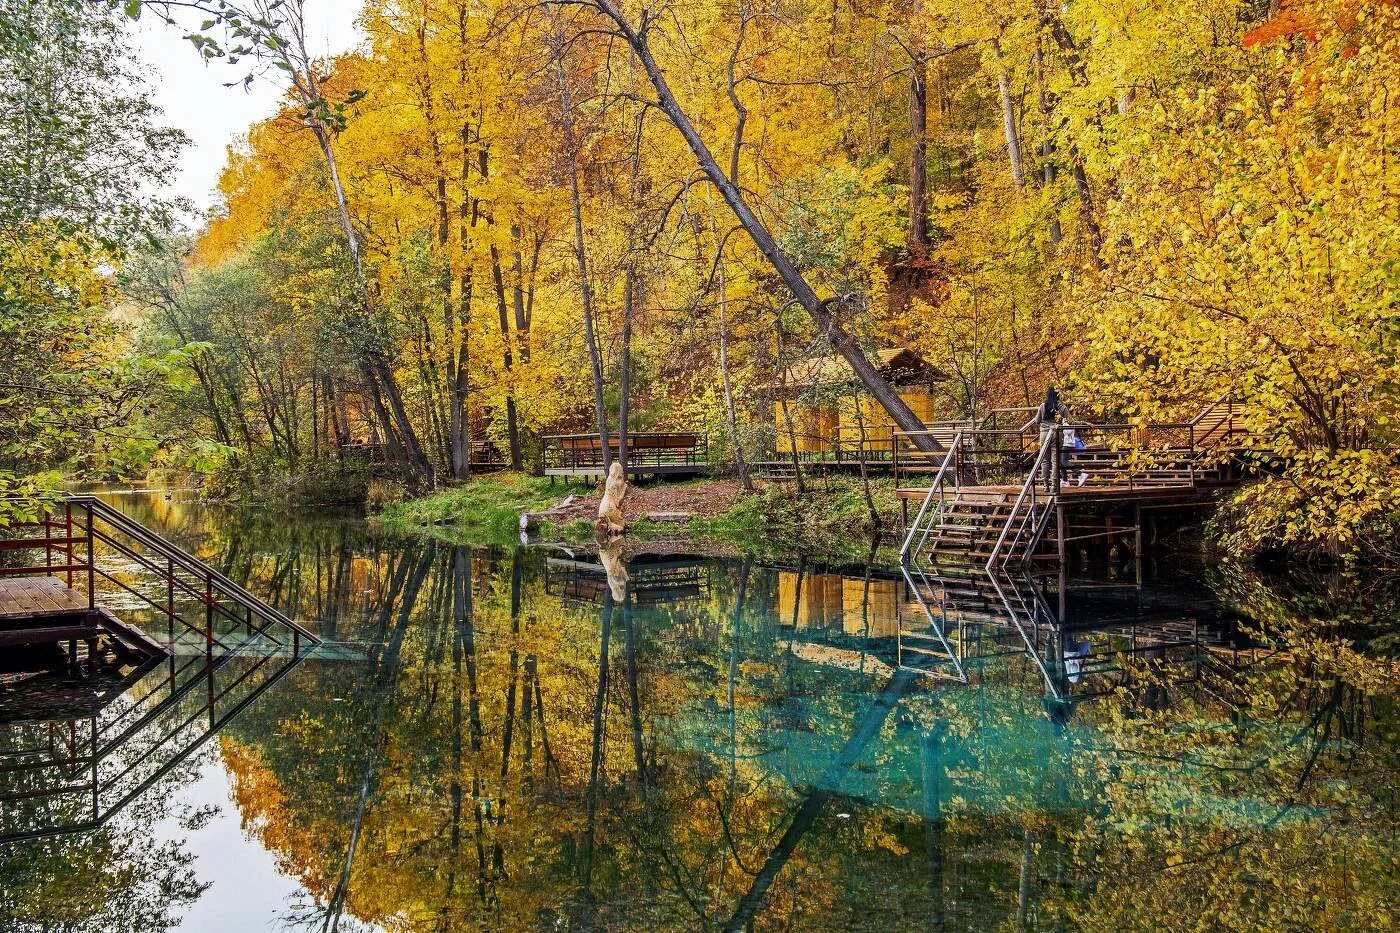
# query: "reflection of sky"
246, 891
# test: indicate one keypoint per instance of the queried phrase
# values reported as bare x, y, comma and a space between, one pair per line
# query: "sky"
194, 98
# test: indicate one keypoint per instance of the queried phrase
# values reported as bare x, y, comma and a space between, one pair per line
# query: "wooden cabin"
830, 410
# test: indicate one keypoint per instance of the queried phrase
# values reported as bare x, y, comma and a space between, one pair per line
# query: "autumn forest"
700, 465
495, 222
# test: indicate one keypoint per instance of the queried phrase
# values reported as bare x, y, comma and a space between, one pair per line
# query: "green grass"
480, 511
831, 519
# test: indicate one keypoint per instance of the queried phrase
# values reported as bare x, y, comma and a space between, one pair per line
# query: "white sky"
195, 100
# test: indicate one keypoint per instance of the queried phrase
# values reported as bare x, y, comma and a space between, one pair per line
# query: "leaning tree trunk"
841, 340
375, 360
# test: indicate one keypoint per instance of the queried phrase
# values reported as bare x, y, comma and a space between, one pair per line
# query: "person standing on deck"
1053, 415
1052, 410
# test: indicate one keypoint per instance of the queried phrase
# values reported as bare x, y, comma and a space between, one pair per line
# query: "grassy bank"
831, 518
481, 511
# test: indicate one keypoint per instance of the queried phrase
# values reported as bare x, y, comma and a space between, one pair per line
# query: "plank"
38, 597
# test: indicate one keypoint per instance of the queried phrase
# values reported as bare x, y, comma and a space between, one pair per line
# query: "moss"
578, 530
480, 511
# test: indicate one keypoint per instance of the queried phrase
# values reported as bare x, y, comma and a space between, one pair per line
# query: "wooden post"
1064, 557
91, 567
68, 542
1137, 544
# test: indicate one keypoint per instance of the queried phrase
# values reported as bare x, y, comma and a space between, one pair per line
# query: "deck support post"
1063, 555
1137, 543
91, 567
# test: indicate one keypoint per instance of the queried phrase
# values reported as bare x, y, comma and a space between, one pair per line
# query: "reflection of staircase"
964, 621
67, 767
968, 618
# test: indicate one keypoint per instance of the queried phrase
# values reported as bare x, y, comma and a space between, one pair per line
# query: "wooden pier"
113, 639
1009, 497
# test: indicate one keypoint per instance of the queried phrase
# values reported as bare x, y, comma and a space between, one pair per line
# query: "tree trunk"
1047, 145
1008, 120
917, 236
376, 361
731, 421
624, 364
595, 356
820, 311
507, 356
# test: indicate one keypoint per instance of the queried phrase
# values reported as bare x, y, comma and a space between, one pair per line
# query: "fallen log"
530, 520
676, 518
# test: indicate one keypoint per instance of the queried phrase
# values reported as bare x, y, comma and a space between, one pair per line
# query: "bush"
1340, 506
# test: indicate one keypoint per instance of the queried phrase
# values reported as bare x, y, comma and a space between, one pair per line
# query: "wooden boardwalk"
1001, 497
676, 454
39, 598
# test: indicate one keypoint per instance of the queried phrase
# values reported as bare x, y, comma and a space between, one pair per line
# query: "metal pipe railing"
1052, 440
935, 489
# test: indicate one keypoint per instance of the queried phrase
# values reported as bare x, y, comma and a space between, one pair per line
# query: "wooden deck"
33, 598
652, 454
1072, 494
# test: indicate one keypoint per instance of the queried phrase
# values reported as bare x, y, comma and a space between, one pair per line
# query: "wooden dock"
53, 585
36, 598
1013, 496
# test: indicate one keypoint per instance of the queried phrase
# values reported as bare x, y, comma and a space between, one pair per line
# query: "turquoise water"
492, 739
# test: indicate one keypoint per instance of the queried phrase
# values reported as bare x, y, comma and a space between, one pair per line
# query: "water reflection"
537, 739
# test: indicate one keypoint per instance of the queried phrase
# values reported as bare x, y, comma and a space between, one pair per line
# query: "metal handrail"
1011, 612
1052, 440
186, 562
935, 489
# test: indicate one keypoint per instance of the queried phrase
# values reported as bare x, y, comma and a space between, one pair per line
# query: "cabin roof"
901, 366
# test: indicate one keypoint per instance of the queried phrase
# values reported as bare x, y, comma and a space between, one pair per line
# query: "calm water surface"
489, 739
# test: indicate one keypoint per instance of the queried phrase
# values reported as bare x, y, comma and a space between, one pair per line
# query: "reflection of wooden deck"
39, 598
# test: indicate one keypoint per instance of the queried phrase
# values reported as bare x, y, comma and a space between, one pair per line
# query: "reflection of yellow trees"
455, 780
479, 808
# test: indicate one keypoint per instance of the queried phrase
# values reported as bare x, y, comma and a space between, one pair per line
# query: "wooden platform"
38, 598
1070, 493
633, 469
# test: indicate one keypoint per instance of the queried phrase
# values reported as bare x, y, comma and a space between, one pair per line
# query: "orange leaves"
1288, 21
1312, 20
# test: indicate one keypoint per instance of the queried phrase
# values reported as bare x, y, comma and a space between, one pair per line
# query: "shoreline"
831, 518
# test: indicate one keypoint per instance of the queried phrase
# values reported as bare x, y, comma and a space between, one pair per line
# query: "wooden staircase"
994, 491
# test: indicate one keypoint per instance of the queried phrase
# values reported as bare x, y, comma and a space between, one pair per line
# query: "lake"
519, 738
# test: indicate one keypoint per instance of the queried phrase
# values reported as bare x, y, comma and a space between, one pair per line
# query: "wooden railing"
585, 451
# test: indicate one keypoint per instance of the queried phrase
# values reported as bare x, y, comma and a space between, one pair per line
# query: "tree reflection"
545, 740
